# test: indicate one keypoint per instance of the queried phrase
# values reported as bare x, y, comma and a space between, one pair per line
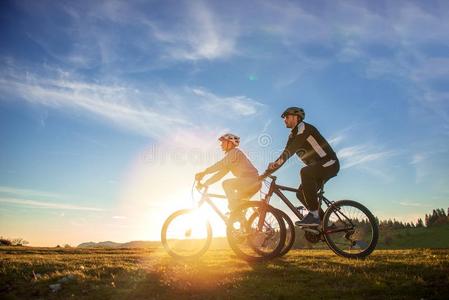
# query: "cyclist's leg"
309, 186
312, 177
249, 186
229, 187
245, 188
300, 196
239, 188
329, 172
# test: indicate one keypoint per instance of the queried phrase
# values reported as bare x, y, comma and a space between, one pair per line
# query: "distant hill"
109, 244
217, 243
403, 238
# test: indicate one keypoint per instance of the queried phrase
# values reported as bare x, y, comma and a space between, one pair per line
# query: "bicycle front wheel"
350, 229
186, 234
256, 231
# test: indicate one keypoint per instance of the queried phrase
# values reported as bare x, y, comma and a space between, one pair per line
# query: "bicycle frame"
277, 189
205, 198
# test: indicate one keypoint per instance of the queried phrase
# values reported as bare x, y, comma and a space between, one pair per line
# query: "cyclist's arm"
217, 176
223, 164
290, 149
218, 166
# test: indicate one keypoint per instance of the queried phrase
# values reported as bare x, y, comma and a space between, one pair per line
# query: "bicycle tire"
234, 241
290, 233
165, 241
331, 242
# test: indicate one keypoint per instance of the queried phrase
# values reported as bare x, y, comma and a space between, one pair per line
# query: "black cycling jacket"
310, 146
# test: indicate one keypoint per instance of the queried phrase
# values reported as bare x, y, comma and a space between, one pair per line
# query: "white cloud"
336, 139
192, 31
116, 104
29, 192
391, 41
417, 158
413, 204
360, 154
48, 205
431, 165
289, 21
201, 36
235, 106
152, 112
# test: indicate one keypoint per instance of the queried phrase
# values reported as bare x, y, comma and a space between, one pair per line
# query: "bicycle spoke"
184, 235
350, 229
257, 239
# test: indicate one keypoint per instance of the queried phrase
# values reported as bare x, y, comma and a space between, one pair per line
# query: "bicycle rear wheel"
256, 231
186, 234
290, 234
350, 229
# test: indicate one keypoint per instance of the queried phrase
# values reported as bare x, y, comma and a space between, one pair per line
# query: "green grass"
431, 237
151, 274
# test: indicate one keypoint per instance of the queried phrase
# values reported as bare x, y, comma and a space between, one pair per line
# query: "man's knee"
251, 189
228, 184
306, 173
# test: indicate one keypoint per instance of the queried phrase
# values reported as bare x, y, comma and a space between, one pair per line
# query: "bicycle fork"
262, 214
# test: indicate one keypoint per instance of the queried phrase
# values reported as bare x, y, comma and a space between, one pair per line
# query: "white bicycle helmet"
230, 137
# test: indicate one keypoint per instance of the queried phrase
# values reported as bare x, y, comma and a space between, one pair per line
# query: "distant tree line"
12, 242
437, 217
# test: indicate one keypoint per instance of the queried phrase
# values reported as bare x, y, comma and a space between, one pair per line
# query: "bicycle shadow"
311, 274
322, 275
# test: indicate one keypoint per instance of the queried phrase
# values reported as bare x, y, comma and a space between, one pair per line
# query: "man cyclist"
246, 182
316, 153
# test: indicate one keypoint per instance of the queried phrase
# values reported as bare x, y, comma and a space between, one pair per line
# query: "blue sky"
108, 108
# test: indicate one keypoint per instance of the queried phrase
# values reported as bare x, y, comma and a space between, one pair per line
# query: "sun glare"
154, 189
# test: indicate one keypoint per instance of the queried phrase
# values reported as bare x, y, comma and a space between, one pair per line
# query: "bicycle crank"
312, 237
311, 230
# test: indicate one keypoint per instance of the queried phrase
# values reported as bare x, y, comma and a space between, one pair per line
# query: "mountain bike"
255, 231
347, 227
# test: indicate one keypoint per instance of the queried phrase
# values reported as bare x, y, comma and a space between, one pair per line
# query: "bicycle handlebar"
205, 187
266, 174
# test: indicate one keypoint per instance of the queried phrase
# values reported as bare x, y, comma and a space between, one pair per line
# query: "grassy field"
405, 238
150, 274
434, 237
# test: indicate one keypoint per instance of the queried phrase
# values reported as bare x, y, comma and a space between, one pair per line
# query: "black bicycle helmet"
297, 111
